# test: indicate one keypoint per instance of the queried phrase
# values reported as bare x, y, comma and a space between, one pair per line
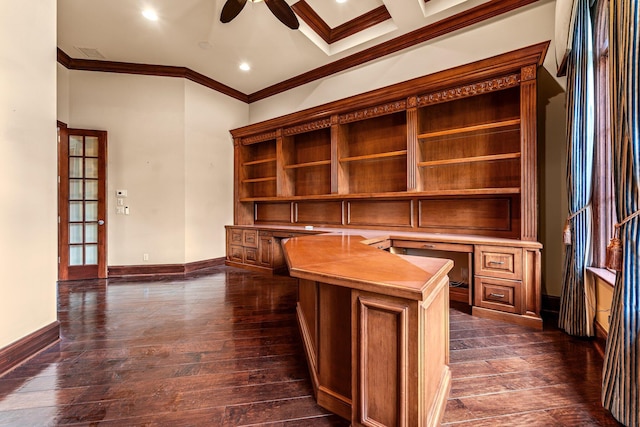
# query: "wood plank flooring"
223, 349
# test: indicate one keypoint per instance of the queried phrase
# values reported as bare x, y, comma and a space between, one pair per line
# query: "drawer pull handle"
428, 246
496, 295
496, 262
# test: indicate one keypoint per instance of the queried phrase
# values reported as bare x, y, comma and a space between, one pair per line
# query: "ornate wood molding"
259, 138
306, 127
528, 73
378, 110
469, 90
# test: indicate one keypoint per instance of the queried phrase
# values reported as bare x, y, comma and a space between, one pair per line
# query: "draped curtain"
577, 301
620, 384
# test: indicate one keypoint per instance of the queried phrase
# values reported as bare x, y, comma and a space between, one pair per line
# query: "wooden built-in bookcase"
451, 153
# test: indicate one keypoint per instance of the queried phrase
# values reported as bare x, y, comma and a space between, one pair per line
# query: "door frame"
66, 272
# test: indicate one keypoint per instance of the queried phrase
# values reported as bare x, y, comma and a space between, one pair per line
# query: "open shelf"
473, 128
308, 164
265, 179
470, 159
398, 153
260, 162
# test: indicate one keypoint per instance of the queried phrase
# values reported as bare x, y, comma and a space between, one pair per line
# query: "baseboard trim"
155, 270
18, 352
190, 267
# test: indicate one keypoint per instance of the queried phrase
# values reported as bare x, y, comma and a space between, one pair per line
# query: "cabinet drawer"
498, 261
432, 246
498, 294
250, 255
250, 238
235, 253
235, 236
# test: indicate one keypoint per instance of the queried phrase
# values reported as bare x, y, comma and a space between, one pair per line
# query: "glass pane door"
83, 200
81, 196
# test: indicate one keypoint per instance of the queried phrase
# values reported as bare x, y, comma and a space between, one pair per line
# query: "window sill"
604, 275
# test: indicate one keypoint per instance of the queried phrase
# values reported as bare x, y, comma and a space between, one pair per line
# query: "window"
604, 216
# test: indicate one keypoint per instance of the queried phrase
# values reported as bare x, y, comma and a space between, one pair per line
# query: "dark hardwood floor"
223, 349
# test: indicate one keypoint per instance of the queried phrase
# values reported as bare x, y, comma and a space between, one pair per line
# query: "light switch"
120, 201
119, 210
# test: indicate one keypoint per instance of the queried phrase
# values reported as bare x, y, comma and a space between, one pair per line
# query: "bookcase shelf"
252, 180
260, 162
489, 158
309, 164
473, 128
398, 153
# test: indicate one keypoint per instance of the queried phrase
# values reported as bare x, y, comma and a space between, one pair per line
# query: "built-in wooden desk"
375, 328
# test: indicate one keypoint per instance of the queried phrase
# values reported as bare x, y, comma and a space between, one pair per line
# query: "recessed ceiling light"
341, 1
151, 15
245, 67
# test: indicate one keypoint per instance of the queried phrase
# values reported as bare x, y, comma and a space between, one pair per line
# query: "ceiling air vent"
90, 52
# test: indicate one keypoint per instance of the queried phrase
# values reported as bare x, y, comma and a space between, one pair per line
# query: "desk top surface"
346, 260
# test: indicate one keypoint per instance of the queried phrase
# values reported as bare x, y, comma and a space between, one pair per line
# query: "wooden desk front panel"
375, 359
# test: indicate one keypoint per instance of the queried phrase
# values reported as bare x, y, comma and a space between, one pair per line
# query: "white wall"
169, 146
209, 169
144, 118
28, 224
520, 28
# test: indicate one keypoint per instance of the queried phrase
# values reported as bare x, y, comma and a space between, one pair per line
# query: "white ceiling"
190, 34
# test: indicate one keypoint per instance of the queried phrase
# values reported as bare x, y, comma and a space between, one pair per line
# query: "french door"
82, 230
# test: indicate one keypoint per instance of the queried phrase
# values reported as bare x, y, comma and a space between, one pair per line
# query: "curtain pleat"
620, 384
577, 310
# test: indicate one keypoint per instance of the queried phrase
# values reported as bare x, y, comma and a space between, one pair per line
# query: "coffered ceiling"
188, 33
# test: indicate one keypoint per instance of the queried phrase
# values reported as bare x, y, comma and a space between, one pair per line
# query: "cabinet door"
265, 251
234, 253
250, 238
234, 236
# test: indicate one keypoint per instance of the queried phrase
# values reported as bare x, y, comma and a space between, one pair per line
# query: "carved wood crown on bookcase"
469, 90
496, 73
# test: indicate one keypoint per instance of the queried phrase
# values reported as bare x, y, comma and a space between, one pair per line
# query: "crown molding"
461, 20
332, 35
148, 70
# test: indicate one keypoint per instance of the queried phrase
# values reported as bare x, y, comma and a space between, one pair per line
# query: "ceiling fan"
279, 8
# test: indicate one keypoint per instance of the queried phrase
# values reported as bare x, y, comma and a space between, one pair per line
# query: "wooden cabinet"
507, 280
257, 249
252, 248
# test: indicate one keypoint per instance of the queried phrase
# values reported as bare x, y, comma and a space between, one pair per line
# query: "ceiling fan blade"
231, 9
283, 12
